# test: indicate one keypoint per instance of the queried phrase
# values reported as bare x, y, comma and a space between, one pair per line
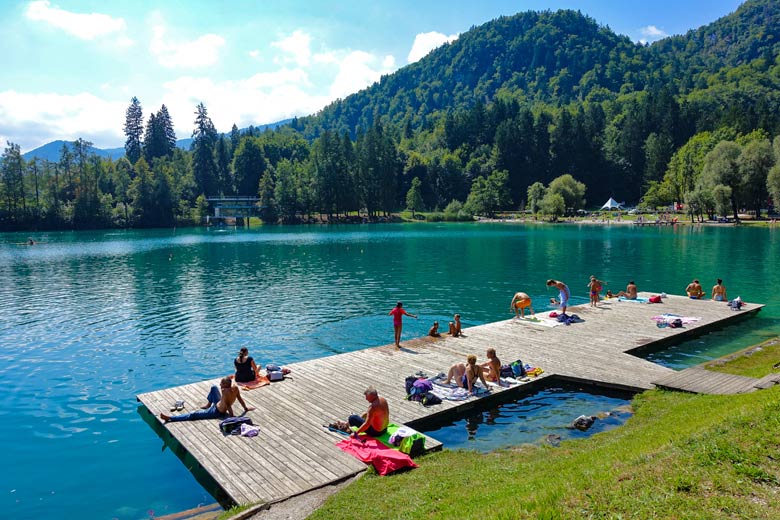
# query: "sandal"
177, 406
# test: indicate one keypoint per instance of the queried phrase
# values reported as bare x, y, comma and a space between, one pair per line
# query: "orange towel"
257, 383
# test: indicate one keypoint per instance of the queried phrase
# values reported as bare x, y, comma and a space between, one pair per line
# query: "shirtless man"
375, 420
519, 302
563, 293
492, 367
434, 330
694, 290
219, 405
455, 327
719, 291
630, 292
595, 287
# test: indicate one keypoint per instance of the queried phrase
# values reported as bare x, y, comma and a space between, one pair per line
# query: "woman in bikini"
466, 375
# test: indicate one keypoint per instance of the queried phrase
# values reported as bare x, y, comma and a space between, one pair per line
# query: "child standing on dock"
595, 287
398, 313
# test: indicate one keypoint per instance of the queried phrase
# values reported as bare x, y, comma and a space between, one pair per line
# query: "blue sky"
70, 68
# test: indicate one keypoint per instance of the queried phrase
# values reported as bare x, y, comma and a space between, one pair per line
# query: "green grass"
680, 456
757, 361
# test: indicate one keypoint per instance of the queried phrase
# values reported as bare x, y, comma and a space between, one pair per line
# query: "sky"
69, 68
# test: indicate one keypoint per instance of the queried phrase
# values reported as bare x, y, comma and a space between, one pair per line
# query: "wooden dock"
294, 453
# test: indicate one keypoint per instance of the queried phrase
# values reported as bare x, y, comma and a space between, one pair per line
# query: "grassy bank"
680, 456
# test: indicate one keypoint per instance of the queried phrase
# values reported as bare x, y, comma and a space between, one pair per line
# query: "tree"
536, 193
134, 129
553, 204
571, 190
414, 200
204, 142
269, 212
720, 167
489, 195
754, 164
249, 164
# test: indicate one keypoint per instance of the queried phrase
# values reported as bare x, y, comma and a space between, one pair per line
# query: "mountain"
554, 58
51, 151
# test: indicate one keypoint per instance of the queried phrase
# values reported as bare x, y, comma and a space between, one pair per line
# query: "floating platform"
294, 453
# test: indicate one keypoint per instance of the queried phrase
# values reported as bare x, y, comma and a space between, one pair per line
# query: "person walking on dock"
398, 313
563, 293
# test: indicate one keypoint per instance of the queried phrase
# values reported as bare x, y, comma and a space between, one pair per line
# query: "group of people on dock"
696, 292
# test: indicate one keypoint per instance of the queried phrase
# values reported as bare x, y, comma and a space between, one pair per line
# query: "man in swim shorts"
219, 406
375, 420
719, 291
595, 287
631, 291
519, 302
563, 293
694, 290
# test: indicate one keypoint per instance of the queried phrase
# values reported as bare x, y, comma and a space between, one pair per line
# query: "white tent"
612, 204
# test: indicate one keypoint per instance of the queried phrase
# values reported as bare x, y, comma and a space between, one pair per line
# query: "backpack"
429, 398
413, 445
409, 383
654, 299
275, 375
232, 425
676, 323
506, 371
518, 369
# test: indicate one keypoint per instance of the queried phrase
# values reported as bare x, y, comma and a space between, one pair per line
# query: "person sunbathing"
434, 330
694, 290
219, 405
630, 293
246, 369
492, 367
466, 375
455, 327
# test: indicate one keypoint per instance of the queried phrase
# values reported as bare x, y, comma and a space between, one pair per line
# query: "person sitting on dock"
719, 291
219, 405
374, 422
694, 290
492, 367
563, 294
519, 302
466, 375
630, 293
455, 327
246, 369
434, 330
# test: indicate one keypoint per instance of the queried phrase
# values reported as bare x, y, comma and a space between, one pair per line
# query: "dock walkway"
294, 453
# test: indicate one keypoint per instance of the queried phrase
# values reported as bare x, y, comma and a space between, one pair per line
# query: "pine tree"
166, 124
204, 142
134, 129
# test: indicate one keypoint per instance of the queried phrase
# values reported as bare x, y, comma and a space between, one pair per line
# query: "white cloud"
356, 72
83, 26
426, 42
189, 54
651, 33
35, 119
298, 45
254, 53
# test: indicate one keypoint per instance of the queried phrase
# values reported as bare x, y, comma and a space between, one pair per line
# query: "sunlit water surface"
88, 320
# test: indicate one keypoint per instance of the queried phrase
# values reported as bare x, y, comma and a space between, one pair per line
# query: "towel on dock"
257, 383
638, 299
452, 392
542, 321
372, 451
668, 318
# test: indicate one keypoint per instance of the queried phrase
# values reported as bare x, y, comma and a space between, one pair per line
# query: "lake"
88, 320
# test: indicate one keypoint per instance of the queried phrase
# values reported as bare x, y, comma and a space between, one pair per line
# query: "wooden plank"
294, 453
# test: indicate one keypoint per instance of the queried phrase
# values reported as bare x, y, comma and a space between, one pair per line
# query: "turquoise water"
88, 320
542, 417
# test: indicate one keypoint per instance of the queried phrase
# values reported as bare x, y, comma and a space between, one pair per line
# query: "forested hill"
556, 58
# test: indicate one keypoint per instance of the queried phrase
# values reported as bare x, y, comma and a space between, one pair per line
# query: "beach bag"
429, 399
413, 445
736, 304
676, 323
654, 299
232, 425
272, 368
506, 371
421, 386
409, 383
518, 369
275, 375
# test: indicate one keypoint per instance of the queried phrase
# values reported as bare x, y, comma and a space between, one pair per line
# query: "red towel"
385, 460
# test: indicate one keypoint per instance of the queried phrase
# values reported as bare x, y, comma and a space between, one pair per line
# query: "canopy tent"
612, 204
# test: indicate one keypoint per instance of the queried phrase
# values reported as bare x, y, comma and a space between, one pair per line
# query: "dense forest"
545, 111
